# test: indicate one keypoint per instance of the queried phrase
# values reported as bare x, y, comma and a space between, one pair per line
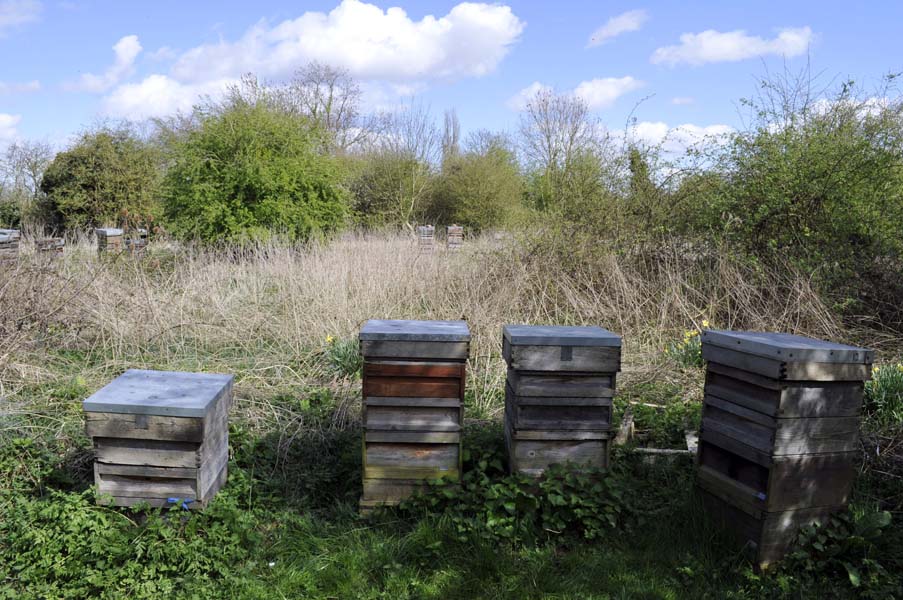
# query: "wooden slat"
741, 411
811, 481
372, 472
150, 487
415, 350
816, 436
154, 453
732, 445
560, 385
586, 359
401, 418
144, 471
146, 427
418, 387
413, 369
754, 364
533, 457
731, 491
414, 402
827, 372
413, 437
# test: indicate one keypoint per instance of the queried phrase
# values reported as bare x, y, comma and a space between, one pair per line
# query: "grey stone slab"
787, 347
169, 393
560, 335
415, 331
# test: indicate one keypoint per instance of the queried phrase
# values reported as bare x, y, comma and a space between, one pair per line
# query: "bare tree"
555, 129
24, 165
451, 136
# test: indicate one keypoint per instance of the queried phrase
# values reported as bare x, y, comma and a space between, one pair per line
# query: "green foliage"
344, 356
687, 352
390, 188
884, 395
10, 213
847, 547
106, 175
249, 172
489, 505
481, 190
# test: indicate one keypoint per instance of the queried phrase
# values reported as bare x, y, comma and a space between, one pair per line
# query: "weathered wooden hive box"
780, 431
9, 244
109, 239
558, 395
50, 246
413, 405
454, 237
426, 237
160, 437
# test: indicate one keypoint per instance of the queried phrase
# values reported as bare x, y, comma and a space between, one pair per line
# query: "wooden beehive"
558, 395
160, 437
50, 246
779, 437
136, 242
9, 245
454, 237
413, 405
109, 239
426, 238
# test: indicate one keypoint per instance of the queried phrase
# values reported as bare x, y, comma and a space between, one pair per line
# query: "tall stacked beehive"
136, 242
426, 238
454, 237
9, 245
779, 437
413, 405
160, 437
558, 396
109, 239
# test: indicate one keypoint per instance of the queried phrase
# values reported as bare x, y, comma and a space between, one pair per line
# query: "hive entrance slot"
736, 467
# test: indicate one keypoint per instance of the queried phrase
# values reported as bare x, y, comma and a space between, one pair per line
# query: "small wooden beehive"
50, 246
413, 405
780, 431
558, 395
160, 437
426, 238
136, 242
454, 237
9, 245
109, 239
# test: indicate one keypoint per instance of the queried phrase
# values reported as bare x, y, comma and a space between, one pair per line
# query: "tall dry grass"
264, 314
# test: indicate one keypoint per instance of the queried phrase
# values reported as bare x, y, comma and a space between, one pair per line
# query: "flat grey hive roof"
415, 331
787, 347
560, 335
165, 393
108, 231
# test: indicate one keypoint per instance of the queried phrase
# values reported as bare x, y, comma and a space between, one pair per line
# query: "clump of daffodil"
884, 394
688, 351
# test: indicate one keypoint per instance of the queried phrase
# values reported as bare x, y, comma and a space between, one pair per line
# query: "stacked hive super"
160, 437
454, 237
108, 240
779, 437
9, 245
413, 405
50, 246
558, 396
426, 238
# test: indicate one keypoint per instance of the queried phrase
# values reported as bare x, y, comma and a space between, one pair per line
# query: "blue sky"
67, 64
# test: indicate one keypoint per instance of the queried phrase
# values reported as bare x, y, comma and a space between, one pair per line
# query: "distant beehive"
413, 405
136, 242
109, 239
160, 437
454, 239
426, 238
778, 445
50, 246
558, 395
9, 245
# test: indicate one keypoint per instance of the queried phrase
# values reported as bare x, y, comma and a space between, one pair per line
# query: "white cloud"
602, 93
682, 100
374, 45
371, 43
163, 53
126, 50
520, 100
8, 124
159, 95
676, 140
626, 22
19, 87
14, 13
714, 46
597, 93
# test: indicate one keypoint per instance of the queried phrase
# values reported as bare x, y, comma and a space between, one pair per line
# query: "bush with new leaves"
248, 172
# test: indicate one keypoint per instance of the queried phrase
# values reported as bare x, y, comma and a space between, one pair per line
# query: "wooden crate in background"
9, 245
454, 237
50, 246
558, 395
160, 437
426, 238
413, 405
109, 239
778, 446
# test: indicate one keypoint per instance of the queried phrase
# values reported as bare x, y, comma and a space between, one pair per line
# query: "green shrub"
344, 356
884, 394
249, 172
104, 176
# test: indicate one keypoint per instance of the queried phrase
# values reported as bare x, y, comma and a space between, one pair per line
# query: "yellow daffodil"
705, 323
330, 339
